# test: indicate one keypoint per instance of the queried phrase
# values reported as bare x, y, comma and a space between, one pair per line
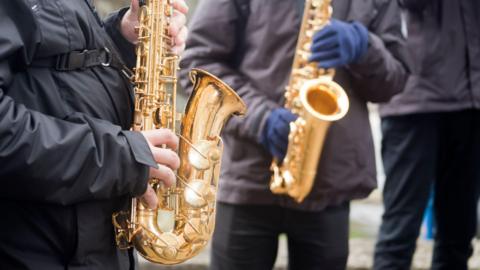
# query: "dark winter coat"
444, 38
265, 55
66, 160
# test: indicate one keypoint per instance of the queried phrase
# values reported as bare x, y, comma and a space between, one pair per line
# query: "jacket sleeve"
383, 70
213, 45
414, 5
48, 159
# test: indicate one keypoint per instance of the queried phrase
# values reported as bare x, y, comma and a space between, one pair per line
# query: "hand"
339, 44
166, 158
276, 130
177, 28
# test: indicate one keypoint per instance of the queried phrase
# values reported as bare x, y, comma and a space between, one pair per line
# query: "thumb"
149, 198
134, 6
288, 116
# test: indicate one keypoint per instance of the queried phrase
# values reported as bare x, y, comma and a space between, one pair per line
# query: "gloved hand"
275, 133
339, 44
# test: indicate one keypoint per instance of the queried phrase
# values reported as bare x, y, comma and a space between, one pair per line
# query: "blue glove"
339, 44
276, 130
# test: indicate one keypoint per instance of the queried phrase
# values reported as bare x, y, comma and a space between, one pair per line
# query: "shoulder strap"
75, 60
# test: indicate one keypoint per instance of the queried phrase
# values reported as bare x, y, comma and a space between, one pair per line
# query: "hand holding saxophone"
339, 43
166, 158
276, 130
177, 28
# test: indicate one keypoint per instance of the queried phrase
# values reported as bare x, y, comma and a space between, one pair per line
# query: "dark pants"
246, 237
439, 150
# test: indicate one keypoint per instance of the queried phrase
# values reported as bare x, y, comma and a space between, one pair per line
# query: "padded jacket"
253, 52
444, 39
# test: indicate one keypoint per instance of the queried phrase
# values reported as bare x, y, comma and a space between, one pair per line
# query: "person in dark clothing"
431, 137
250, 45
68, 159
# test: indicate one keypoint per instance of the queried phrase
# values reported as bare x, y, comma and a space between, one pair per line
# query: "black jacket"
444, 39
67, 159
264, 45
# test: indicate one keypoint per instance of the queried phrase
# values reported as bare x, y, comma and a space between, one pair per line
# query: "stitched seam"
65, 22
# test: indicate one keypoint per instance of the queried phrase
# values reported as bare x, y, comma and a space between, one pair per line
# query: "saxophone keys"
196, 193
203, 154
169, 243
165, 220
196, 231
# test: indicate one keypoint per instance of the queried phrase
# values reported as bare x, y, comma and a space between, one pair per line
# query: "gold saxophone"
317, 100
183, 223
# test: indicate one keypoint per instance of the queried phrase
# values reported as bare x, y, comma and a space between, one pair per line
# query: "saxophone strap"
76, 60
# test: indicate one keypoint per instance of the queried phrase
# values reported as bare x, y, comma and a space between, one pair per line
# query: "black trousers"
439, 150
246, 237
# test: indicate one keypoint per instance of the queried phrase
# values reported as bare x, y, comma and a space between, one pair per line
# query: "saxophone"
184, 220
317, 100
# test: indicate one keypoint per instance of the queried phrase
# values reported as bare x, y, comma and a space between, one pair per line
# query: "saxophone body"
183, 223
317, 100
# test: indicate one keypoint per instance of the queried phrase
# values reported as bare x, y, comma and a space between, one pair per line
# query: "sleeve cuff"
142, 154
140, 149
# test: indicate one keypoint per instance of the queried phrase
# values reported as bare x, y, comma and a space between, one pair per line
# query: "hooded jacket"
67, 159
254, 54
444, 39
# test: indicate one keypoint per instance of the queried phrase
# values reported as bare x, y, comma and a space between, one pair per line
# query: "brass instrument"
317, 100
183, 222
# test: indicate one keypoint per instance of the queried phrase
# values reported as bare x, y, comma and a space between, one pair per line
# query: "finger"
181, 37
324, 56
177, 23
326, 32
282, 129
325, 44
280, 149
166, 157
164, 174
288, 116
134, 6
180, 41
149, 198
181, 6
159, 137
281, 138
179, 49
279, 153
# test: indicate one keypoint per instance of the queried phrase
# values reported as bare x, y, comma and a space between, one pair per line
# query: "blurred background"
365, 215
